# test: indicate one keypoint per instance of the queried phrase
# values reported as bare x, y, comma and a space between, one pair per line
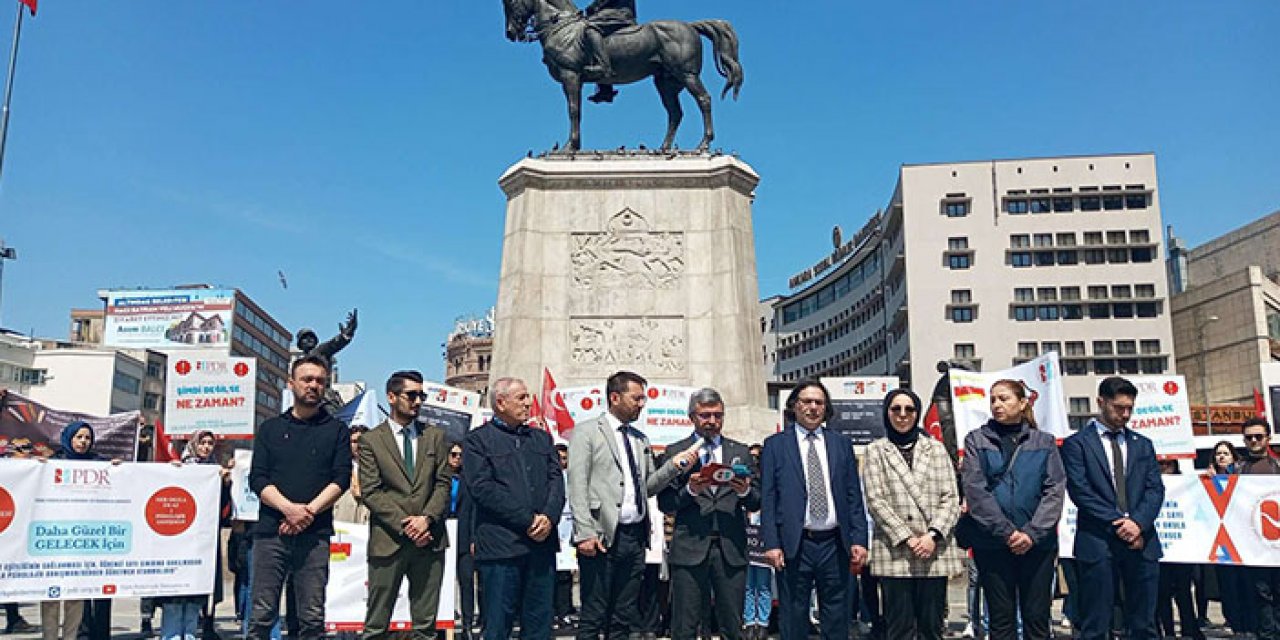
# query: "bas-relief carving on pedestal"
600, 346
628, 255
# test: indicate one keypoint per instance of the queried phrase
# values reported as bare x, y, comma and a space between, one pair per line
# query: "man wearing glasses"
405, 480
1264, 580
708, 555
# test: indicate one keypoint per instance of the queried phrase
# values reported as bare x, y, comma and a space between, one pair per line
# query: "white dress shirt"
627, 513
398, 430
802, 436
1103, 431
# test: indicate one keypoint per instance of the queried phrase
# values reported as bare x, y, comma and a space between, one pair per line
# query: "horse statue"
669, 51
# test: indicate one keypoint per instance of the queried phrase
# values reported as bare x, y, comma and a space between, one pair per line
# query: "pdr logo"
82, 478
1268, 520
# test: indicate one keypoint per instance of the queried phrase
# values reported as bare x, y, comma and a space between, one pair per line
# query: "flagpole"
8, 85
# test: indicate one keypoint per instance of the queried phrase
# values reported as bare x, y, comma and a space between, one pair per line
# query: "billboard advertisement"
210, 391
169, 319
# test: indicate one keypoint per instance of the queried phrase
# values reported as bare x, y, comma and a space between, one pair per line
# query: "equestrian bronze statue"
598, 45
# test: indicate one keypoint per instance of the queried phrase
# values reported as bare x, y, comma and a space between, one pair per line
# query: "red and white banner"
1161, 412
209, 390
75, 530
971, 395
347, 594
1232, 520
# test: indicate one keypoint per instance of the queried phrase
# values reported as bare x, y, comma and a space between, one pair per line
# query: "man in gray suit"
708, 552
611, 476
405, 482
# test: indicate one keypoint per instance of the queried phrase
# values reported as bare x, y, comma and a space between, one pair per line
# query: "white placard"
347, 594
971, 400
211, 391
244, 502
1161, 412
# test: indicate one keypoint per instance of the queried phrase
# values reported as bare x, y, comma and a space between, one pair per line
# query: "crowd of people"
840, 541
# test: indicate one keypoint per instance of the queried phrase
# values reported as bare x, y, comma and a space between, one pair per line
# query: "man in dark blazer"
404, 481
817, 541
1114, 480
708, 552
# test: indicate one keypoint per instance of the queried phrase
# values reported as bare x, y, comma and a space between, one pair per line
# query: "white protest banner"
858, 406
567, 556
665, 418
74, 530
1161, 412
212, 391
244, 502
1232, 520
971, 402
449, 408
347, 594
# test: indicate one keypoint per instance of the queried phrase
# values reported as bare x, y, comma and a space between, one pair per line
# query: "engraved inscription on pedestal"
628, 255
600, 346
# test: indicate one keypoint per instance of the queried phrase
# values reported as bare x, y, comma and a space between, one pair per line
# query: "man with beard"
301, 466
1264, 580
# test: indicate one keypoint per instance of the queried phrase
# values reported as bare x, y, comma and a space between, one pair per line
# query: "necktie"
1117, 470
817, 482
407, 432
635, 474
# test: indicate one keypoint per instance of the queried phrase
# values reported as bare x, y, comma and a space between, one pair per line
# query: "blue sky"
356, 146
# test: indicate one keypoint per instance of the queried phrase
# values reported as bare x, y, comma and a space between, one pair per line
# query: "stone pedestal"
638, 262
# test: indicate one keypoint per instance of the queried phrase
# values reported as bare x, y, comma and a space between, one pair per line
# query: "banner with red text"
971, 395
75, 530
1161, 412
1232, 520
665, 418
209, 390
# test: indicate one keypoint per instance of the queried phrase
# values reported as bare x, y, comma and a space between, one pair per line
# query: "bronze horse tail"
725, 42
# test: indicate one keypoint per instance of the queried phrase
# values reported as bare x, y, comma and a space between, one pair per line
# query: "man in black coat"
708, 555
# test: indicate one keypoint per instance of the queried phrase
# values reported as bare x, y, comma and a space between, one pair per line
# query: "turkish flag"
554, 411
31, 4
163, 445
932, 424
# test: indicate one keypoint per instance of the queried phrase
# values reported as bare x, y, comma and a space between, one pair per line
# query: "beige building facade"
991, 263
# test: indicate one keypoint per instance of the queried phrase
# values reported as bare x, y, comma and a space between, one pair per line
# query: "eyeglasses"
1255, 436
414, 395
899, 409
454, 454
710, 415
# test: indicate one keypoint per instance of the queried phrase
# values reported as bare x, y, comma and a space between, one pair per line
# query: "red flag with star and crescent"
554, 410
31, 4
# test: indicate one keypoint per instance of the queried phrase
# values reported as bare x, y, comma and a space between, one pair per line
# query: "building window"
1044, 239
1144, 291
1150, 347
964, 351
1095, 256
1139, 236
1090, 203
1066, 239
1098, 292
1075, 348
958, 262
1153, 365
1128, 366
1049, 312
961, 296
956, 209
1092, 238
1143, 254
1075, 367
1121, 291
1117, 256
1015, 207
957, 244
1071, 293
1115, 237
1024, 314
1122, 310
1040, 205
1068, 257
962, 314
1046, 347
126, 383
1020, 241
1047, 294
1044, 258
1027, 350
1126, 347
1020, 258
1024, 294
1135, 201
1147, 309
1072, 312
1099, 311
1104, 366
155, 370
1062, 205
1112, 203
1102, 348
151, 401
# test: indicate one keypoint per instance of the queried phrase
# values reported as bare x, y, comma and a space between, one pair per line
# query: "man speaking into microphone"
710, 499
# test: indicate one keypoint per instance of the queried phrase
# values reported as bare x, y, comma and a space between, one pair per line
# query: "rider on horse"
603, 18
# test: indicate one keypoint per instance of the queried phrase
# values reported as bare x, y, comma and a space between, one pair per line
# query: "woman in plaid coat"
912, 497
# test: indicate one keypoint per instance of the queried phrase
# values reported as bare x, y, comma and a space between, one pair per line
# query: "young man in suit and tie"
405, 481
708, 554
817, 541
1114, 480
611, 476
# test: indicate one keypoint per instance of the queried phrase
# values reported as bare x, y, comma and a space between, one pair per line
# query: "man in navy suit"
1114, 480
815, 541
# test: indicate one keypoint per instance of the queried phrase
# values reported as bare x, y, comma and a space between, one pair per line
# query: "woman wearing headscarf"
182, 614
1014, 484
912, 497
77, 441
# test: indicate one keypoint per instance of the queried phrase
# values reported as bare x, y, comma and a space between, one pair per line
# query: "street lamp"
6, 253
1204, 374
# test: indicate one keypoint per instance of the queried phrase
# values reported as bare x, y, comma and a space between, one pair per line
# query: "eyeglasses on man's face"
414, 396
1255, 436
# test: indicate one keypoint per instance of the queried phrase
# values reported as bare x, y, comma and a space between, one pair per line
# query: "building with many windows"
989, 264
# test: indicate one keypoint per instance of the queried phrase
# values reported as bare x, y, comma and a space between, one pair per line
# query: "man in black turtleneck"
1265, 580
